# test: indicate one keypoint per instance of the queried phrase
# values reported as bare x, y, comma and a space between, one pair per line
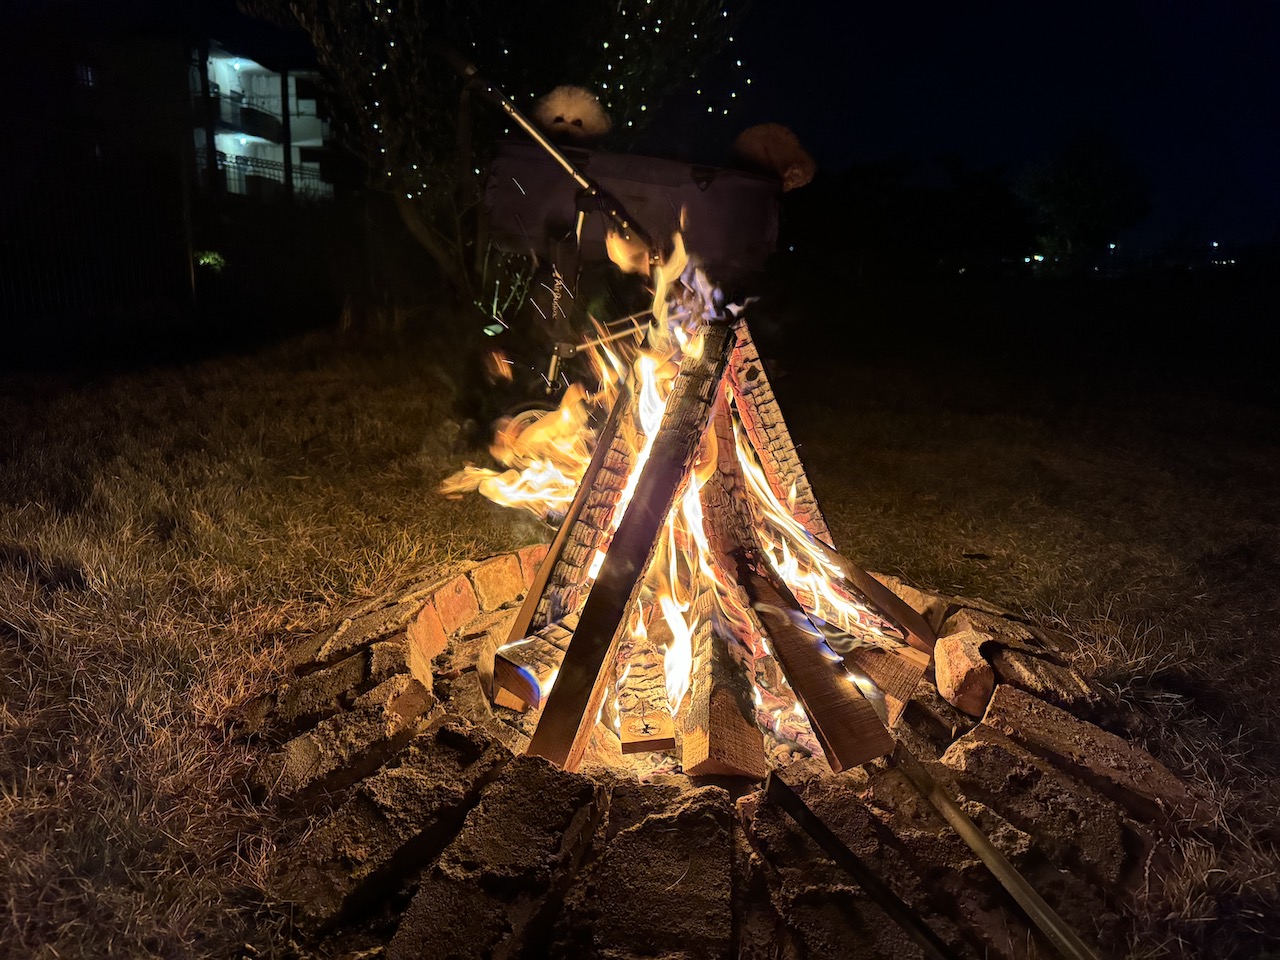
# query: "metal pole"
286, 135
1065, 940
777, 790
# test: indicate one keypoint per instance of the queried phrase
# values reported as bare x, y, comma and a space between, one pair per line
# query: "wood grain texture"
895, 672
844, 722
643, 710
562, 735
762, 418
884, 601
524, 667
720, 733
535, 611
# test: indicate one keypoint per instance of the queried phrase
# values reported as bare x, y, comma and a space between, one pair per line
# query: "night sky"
1189, 90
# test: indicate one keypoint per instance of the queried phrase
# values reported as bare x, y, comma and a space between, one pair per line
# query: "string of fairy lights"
640, 25
619, 77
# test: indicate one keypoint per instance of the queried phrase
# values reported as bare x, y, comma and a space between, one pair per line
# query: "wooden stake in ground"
564, 729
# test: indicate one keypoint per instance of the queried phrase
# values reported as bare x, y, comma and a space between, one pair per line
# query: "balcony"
234, 113
262, 179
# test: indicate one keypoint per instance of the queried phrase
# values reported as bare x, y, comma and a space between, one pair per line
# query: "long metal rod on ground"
930, 944
1064, 939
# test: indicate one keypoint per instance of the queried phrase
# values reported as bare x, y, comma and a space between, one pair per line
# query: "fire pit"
483, 779
690, 604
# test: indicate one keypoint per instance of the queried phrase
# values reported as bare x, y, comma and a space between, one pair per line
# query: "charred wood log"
762, 418
562, 734
526, 668
844, 721
547, 598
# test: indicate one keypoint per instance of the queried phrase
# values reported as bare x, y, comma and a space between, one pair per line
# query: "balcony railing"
255, 177
234, 112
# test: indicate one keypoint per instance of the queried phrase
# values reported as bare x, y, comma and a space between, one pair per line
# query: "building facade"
260, 131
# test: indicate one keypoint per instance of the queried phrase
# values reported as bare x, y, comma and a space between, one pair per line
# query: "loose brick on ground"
498, 581
456, 604
353, 634
345, 748
965, 679
306, 700
531, 558
486, 893
1047, 680
665, 880
1006, 633
1074, 826
394, 823
1114, 766
427, 639
824, 910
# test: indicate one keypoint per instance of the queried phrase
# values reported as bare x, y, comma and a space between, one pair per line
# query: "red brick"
965, 679
427, 640
456, 604
498, 581
530, 560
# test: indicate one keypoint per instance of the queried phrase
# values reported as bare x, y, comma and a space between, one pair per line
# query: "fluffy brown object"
571, 113
773, 147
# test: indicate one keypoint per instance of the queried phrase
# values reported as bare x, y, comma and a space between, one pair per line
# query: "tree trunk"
451, 266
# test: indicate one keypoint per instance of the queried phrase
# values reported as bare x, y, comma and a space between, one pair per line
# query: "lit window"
85, 76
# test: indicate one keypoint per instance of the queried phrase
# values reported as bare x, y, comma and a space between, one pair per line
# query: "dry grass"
163, 532
1144, 524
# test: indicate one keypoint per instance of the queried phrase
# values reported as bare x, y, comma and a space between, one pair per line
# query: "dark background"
924, 120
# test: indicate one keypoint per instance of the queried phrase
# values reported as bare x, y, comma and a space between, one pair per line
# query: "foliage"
1084, 196
400, 106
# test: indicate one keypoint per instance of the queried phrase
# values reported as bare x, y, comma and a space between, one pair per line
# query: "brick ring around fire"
396, 771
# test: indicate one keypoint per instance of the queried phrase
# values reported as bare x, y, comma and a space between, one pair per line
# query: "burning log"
582, 531
643, 722
762, 417
914, 628
720, 733
562, 735
583, 650
526, 668
567, 572
845, 723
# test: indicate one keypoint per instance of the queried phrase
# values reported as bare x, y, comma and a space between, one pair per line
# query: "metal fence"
253, 176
